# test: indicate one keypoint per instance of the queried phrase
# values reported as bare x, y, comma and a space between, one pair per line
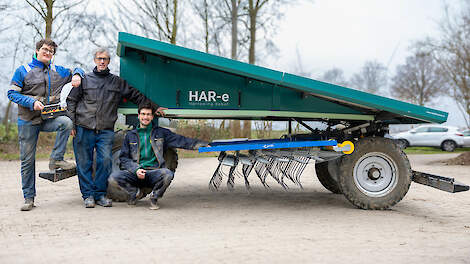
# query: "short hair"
146, 105
48, 42
101, 50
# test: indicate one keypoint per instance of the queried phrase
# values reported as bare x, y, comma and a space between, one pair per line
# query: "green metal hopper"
194, 84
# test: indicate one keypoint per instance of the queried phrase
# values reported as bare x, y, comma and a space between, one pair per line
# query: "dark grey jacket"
94, 104
160, 139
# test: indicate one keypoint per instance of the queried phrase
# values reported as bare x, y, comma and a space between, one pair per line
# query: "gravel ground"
195, 225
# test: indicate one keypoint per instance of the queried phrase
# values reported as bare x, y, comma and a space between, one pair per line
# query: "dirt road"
195, 225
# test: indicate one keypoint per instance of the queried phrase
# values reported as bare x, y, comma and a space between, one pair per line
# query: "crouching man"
142, 158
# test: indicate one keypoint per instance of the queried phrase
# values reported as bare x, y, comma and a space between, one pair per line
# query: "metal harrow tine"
301, 168
271, 169
216, 179
247, 166
246, 169
260, 169
283, 168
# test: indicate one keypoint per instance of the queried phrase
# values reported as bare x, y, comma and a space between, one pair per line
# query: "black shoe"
105, 202
90, 202
28, 204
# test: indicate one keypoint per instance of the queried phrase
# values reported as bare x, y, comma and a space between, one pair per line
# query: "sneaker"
60, 164
28, 204
154, 204
105, 202
90, 202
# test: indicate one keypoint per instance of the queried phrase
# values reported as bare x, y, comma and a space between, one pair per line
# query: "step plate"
439, 182
58, 175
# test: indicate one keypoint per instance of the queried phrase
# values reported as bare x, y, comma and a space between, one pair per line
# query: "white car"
445, 137
466, 138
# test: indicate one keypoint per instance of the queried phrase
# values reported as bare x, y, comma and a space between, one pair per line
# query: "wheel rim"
448, 146
375, 174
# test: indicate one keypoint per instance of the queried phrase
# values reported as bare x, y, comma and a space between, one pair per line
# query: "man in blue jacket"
33, 86
142, 158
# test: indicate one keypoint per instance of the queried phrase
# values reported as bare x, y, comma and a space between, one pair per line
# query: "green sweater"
147, 156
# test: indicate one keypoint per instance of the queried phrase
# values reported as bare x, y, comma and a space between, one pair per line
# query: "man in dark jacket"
93, 110
34, 86
142, 161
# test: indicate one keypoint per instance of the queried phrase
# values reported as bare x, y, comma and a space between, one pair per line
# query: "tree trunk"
206, 25
252, 12
6, 122
234, 30
49, 18
175, 20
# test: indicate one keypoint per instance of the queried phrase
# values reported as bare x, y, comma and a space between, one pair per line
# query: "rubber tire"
324, 172
453, 145
354, 194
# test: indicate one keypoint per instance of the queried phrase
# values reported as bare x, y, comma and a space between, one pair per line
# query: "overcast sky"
346, 33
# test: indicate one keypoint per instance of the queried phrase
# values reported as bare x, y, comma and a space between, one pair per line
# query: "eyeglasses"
102, 59
46, 50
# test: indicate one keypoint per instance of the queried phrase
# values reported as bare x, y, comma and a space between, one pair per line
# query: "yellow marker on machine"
348, 146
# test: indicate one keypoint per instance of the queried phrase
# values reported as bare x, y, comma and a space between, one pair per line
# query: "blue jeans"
28, 139
84, 144
158, 180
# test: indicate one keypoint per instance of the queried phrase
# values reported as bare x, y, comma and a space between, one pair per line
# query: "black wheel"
377, 175
448, 145
327, 174
403, 143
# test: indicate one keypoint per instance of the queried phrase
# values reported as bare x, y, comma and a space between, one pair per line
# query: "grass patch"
432, 150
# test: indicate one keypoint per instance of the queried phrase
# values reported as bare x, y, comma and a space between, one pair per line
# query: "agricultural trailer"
351, 152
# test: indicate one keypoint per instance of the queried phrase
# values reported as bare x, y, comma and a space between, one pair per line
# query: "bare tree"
419, 80
49, 12
335, 76
214, 17
371, 78
154, 18
452, 52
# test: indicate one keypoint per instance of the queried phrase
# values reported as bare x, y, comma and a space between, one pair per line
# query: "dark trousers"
84, 143
157, 179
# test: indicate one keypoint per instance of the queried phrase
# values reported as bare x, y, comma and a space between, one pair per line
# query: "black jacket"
94, 103
161, 139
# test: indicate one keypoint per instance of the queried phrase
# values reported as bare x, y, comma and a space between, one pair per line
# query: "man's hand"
160, 112
201, 143
38, 105
73, 133
141, 174
76, 80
